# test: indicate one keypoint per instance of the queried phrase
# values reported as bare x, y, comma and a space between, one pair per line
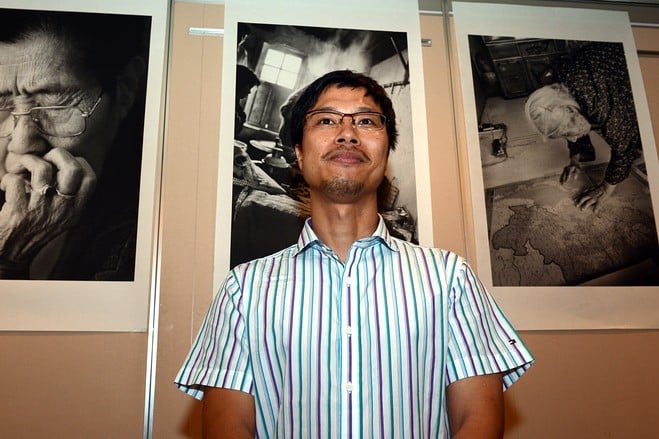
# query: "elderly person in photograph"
70, 148
592, 90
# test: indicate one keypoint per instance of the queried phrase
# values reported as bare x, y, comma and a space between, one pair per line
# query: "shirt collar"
308, 237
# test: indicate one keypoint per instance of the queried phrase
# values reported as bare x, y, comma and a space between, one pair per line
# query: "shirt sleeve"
481, 339
219, 356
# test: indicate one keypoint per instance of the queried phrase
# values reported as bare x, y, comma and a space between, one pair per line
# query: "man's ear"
128, 81
298, 155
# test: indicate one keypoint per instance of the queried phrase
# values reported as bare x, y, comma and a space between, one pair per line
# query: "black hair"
342, 78
245, 77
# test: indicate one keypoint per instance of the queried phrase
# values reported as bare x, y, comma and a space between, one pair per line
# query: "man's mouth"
346, 156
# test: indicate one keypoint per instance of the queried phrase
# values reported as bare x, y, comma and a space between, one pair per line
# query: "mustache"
343, 150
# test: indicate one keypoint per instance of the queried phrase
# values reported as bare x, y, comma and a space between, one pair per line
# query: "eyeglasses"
362, 120
55, 121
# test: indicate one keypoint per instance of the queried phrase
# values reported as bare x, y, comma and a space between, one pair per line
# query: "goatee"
342, 187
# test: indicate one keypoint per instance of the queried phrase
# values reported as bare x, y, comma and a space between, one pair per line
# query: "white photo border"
386, 15
549, 308
104, 305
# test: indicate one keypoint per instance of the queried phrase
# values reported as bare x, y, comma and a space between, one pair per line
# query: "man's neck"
339, 225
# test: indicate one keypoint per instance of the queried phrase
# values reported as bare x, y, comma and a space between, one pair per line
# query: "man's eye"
366, 121
326, 121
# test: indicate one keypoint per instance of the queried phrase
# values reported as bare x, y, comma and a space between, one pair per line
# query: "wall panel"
188, 207
72, 385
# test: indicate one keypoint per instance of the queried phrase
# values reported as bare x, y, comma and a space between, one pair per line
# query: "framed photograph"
80, 145
269, 58
563, 165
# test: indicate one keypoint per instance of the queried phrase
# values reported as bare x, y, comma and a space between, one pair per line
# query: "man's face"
41, 70
343, 163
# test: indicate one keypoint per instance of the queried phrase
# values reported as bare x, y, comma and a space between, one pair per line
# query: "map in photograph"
538, 237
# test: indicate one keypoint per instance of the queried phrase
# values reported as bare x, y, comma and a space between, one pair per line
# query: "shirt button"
349, 387
348, 280
349, 331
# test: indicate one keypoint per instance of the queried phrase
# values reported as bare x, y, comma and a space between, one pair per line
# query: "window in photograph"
280, 68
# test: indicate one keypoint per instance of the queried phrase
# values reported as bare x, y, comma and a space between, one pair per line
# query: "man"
351, 332
70, 148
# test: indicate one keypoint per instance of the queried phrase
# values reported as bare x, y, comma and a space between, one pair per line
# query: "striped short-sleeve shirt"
364, 348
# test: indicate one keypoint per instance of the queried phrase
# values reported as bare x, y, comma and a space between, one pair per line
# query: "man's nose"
25, 138
347, 131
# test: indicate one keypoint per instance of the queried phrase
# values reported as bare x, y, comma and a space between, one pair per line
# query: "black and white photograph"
566, 187
80, 97
72, 95
274, 64
562, 163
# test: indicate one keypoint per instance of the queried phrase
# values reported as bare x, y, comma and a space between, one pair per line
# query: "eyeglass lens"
59, 122
369, 121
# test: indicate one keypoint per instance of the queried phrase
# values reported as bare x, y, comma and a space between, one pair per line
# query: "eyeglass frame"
352, 116
85, 115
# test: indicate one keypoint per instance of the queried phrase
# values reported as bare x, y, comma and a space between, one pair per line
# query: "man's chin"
342, 188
